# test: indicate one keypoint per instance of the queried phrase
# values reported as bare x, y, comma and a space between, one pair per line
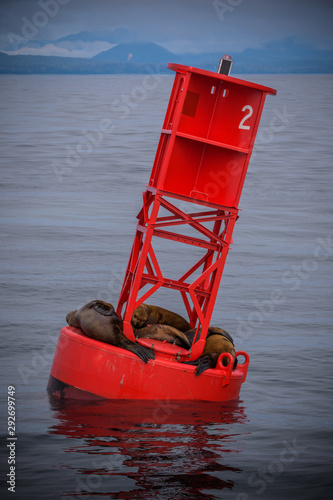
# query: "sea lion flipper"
144, 353
102, 307
194, 363
205, 362
183, 340
202, 363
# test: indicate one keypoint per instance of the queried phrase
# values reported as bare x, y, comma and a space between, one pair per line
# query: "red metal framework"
202, 158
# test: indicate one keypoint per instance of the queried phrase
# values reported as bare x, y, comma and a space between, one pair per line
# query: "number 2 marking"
246, 117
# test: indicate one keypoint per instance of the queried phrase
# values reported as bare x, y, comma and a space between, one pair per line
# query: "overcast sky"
179, 25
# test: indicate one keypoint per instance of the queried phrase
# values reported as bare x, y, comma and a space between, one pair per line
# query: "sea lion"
145, 315
163, 333
217, 342
99, 321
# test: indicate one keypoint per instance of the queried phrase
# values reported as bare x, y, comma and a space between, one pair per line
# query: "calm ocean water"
76, 152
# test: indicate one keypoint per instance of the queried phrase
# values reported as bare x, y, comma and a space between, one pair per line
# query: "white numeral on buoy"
246, 117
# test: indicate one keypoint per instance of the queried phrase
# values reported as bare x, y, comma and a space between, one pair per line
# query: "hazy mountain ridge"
139, 52
114, 37
287, 55
70, 65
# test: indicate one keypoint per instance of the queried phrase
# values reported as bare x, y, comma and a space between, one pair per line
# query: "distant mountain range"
113, 37
287, 55
119, 35
139, 52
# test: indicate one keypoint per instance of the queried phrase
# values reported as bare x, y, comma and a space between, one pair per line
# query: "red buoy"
202, 158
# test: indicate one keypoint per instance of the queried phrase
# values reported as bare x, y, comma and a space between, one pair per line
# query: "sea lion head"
71, 318
101, 307
105, 313
140, 316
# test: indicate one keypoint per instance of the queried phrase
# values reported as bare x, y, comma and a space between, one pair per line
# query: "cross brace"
143, 268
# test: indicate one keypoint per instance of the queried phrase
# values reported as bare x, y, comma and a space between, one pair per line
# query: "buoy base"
84, 368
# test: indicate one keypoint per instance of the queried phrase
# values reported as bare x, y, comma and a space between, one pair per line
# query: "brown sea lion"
99, 321
217, 342
163, 332
152, 315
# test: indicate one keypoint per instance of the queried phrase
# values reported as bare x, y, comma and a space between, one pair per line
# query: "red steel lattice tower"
202, 158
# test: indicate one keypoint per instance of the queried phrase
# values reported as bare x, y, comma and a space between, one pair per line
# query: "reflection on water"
147, 449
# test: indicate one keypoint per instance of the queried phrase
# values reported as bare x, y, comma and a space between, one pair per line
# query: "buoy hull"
84, 368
